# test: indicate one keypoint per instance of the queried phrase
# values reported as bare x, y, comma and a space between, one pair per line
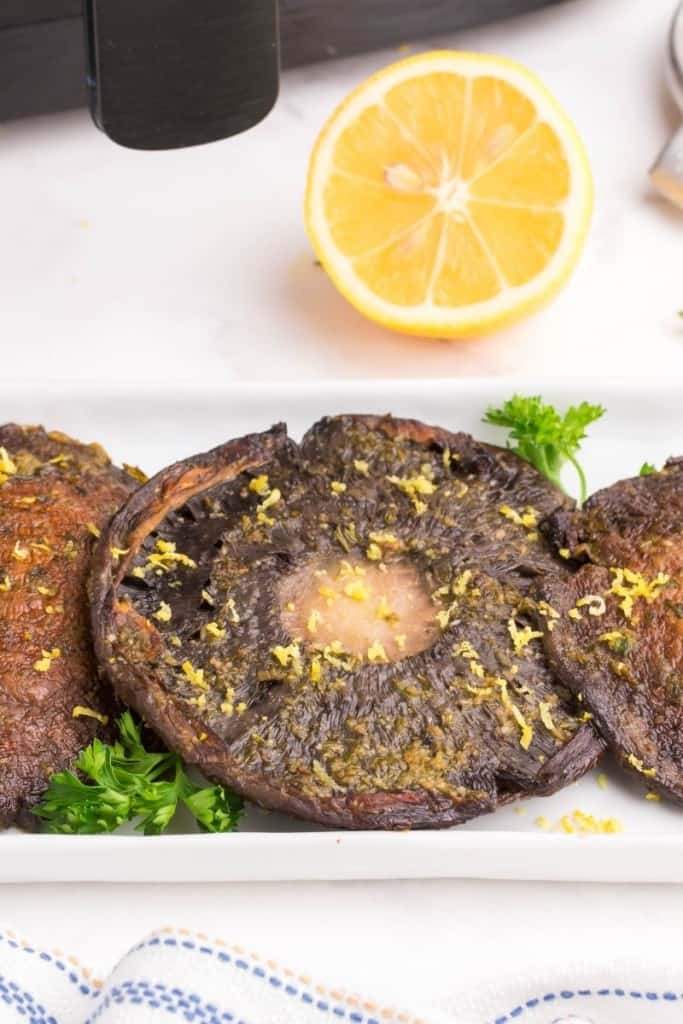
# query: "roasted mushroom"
618, 637
344, 629
54, 495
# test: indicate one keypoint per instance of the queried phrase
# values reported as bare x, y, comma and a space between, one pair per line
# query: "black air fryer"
161, 74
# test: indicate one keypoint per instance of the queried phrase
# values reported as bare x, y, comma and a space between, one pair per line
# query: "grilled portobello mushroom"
54, 494
344, 629
618, 638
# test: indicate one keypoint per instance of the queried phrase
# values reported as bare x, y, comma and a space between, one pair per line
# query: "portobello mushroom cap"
344, 629
619, 637
54, 494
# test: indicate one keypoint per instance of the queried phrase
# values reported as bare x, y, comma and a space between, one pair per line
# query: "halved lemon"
449, 194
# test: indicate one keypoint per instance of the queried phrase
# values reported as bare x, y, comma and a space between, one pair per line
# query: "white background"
195, 264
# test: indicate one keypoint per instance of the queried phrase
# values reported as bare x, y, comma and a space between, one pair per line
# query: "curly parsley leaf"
647, 469
123, 782
541, 436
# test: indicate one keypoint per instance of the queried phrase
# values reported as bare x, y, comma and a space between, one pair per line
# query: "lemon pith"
449, 194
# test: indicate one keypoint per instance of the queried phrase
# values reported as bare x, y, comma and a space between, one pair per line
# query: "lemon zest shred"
377, 654
316, 670
443, 618
163, 613
82, 712
636, 763
630, 585
521, 638
528, 518
385, 539
289, 655
384, 612
166, 558
232, 611
346, 569
546, 717
580, 823
550, 614
329, 594
271, 499
594, 602
361, 466
465, 650
415, 487
214, 630
20, 553
357, 591
338, 487
461, 583
44, 663
526, 732
335, 655
195, 676
260, 485
613, 638
8, 466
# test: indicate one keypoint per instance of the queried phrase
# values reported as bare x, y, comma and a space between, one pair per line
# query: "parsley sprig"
541, 436
125, 782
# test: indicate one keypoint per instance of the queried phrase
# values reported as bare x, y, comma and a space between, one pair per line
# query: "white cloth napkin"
174, 974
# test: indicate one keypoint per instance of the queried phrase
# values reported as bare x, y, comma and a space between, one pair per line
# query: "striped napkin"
174, 974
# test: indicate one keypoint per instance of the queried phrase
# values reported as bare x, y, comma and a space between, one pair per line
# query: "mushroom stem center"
377, 612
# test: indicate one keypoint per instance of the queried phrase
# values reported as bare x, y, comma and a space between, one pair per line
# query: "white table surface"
196, 264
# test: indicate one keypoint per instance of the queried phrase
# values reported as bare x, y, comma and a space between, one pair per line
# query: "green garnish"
647, 469
124, 782
545, 438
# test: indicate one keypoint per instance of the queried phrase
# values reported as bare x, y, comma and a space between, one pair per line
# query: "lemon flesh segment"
449, 195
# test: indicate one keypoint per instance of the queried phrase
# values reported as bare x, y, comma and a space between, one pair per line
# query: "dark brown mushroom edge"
55, 495
618, 636
344, 629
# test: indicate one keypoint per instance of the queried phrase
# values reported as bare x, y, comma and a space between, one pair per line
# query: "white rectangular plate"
151, 428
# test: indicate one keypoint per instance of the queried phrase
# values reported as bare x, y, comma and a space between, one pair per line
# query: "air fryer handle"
170, 73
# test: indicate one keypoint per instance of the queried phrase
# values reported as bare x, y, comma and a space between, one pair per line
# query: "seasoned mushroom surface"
619, 637
344, 629
54, 495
